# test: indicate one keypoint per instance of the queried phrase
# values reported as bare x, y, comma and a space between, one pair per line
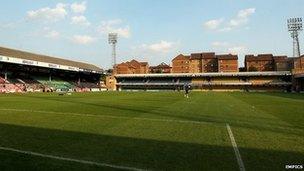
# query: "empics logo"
294, 166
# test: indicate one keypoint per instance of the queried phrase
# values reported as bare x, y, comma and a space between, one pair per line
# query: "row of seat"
38, 83
11, 88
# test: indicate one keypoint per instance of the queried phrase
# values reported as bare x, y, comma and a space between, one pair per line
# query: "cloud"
83, 39
114, 26
245, 13
45, 32
226, 47
161, 47
241, 19
155, 52
79, 7
213, 24
80, 20
7, 25
219, 44
48, 14
52, 34
237, 50
225, 29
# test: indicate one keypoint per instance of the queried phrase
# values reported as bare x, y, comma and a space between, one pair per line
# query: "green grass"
138, 129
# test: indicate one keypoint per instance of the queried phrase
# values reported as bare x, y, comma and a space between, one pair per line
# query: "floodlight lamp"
295, 24
112, 38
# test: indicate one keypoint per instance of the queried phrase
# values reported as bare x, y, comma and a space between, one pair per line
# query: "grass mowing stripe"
108, 116
70, 159
235, 148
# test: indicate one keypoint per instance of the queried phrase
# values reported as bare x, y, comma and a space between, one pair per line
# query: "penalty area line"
235, 148
70, 159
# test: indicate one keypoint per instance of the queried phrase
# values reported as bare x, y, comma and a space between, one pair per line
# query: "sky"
148, 30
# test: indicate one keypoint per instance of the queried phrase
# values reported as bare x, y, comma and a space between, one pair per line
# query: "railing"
278, 83
217, 74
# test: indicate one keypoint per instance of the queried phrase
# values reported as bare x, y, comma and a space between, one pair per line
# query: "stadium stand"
55, 84
240, 81
31, 85
28, 72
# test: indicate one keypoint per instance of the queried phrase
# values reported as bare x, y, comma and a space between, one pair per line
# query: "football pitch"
151, 131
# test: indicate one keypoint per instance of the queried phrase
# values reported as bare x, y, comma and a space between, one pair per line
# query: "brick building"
161, 68
204, 63
132, 67
209, 62
291, 62
267, 62
196, 63
227, 63
280, 63
261, 62
299, 64
110, 82
181, 64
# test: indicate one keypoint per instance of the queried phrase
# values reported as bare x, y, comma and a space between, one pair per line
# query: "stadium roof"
214, 74
47, 59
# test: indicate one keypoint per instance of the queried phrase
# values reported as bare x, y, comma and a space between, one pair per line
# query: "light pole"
294, 27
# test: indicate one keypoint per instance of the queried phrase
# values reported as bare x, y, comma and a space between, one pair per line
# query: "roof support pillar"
5, 75
50, 77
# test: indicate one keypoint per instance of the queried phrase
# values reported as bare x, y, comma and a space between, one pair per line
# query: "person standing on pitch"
187, 89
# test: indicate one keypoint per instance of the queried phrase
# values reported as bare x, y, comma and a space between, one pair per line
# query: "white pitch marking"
70, 159
108, 116
236, 150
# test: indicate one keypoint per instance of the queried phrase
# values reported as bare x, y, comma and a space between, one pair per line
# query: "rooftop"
47, 59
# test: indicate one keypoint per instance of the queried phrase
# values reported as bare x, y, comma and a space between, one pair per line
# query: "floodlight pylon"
113, 41
295, 26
